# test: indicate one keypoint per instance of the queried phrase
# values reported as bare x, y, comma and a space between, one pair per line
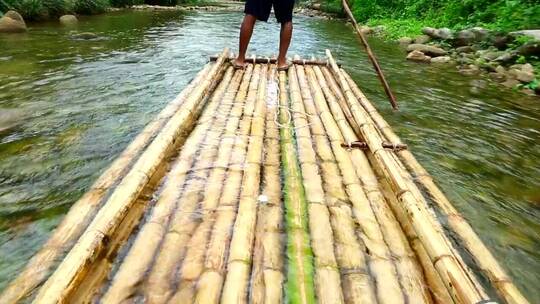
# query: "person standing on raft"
260, 10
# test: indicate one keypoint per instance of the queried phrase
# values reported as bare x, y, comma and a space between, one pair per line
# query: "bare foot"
239, 64
282, 65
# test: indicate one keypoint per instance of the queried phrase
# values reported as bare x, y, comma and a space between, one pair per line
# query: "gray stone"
498, 77
510, 83
531, 33
501, 41
531, 48
506, 57
444, 33
366, 30
422, 39
469, 72
12, 22
441, 59
68, 20
527, 67
480, 33
85, 36
379, 29
465, 49
464, 37
492, 55
404, 41
523, 76
429, 31
418, 56
500, 69
429, 50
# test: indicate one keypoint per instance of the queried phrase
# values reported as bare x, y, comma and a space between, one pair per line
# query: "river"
74, 105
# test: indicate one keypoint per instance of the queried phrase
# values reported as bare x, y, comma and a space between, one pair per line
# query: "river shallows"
81, 102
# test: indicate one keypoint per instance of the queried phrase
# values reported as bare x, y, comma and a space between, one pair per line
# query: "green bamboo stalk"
300, 259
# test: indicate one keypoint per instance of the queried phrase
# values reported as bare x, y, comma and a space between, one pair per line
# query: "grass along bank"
482, 36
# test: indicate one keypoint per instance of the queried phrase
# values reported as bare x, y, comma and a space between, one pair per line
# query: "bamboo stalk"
299, 288
141, 254
81, 213
379, 257
267, 272
371, 56
235, 289
185, 225
327, 276
357, 287
212, 273
454, 276
410, 276
478, 250
92, 242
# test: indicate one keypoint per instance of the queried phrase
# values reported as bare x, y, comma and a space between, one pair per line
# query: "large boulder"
464, 37
429, 31
531, 48
12, 22
522, 72
68, 20
429, 50
418, 56
465, 49
531, 33
443, 33
422, 39
480, 33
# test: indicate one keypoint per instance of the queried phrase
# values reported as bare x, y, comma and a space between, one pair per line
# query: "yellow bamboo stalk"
455, 277
210, 281
379, 257
235, 289
82, 212
188, 218
267, 273
92, 242
327, 276
141, 254
429, 212
356, 284
410, 276
478, 250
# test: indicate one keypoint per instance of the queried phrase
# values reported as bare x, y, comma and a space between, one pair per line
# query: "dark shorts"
261, 9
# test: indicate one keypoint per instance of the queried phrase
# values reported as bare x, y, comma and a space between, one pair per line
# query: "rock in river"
68, 20
429, 50
464, 37
12, 22
85, 36
441, 59
404, 41
418, 56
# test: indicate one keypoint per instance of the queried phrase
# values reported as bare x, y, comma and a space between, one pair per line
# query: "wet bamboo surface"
244, 190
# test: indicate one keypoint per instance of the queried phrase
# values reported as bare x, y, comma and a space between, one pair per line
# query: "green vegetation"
407, 17
46, 9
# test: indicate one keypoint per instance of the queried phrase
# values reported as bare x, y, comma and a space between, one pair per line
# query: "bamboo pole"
141, 254
371, 56
454, 276
379, 258
81, 213
181, 238
92, 242
478, 250
410, 276
210, 277
267, 272
235, 289
299, 288
327, 276
357, 287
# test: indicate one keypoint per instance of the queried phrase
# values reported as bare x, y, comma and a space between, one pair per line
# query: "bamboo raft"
262, 186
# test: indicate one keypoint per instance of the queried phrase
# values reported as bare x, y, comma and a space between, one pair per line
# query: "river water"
69, 107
